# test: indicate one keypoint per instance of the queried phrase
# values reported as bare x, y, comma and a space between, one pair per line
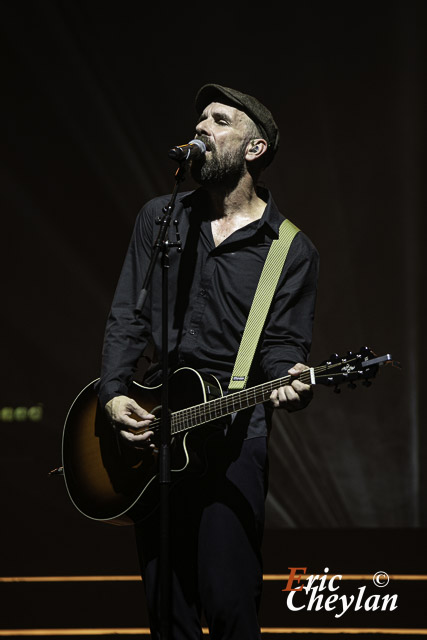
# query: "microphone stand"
162, 245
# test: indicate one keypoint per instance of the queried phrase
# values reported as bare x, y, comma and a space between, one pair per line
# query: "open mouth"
205, 142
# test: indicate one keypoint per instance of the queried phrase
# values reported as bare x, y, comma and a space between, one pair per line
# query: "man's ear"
255, 149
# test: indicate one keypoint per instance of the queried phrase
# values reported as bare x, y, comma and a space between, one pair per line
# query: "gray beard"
218, 170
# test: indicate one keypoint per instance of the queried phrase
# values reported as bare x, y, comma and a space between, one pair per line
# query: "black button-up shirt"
210, 294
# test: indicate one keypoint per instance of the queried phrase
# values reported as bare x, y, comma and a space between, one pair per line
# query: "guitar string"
183, 417
225, 405
190, 417
194, 416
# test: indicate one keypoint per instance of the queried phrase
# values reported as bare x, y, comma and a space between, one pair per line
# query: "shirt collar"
271, 216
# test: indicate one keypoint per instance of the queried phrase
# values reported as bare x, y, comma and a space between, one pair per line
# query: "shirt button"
192, 332
202, 292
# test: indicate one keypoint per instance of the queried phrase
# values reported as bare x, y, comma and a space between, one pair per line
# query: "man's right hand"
119, 410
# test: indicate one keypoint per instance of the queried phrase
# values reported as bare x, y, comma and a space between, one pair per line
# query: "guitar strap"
261, 303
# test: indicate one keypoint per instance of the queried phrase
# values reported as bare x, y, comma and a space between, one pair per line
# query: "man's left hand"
294, 396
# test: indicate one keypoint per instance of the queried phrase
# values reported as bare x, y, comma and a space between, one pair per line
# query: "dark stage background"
93, 96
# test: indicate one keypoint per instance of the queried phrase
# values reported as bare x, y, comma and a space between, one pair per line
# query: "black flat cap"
250, 105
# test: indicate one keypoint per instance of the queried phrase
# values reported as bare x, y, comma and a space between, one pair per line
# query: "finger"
124, 410
136, 437
127, 421
140, 412
287, 394
284, 395
300, 387
121, 406
274, 399
304, 393
143, 440
297, 369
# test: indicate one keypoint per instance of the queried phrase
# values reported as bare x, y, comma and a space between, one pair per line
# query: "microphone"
183, 152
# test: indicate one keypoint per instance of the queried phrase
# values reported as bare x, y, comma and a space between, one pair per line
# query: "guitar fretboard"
191, 417
363, 365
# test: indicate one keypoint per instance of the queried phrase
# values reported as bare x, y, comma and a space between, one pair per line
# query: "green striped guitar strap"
267, 284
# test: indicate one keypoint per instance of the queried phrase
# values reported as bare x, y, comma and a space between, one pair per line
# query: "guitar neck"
360, 366
191, 417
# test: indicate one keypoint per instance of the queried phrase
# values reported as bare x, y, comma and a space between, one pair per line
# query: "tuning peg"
351, 385
349, 354
365, 352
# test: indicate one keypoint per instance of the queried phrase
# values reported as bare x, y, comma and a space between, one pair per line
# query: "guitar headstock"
362, 365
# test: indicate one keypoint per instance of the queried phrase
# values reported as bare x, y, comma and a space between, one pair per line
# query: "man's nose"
203, 128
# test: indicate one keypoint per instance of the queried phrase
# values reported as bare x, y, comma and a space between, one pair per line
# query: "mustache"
210, 146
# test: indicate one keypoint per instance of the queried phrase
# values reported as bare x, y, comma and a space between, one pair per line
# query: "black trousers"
217, 522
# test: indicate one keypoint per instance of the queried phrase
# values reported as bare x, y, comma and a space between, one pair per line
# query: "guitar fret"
186, 419
191, 417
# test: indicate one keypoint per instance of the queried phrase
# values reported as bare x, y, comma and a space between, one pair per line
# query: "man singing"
226, 227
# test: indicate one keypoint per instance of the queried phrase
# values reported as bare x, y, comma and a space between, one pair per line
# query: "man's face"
224, 130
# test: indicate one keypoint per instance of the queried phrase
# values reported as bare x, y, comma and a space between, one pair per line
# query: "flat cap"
250, 105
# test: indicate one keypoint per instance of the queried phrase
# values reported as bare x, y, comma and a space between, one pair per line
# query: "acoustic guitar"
112, 482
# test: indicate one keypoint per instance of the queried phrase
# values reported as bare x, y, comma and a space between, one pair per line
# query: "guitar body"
109, 480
